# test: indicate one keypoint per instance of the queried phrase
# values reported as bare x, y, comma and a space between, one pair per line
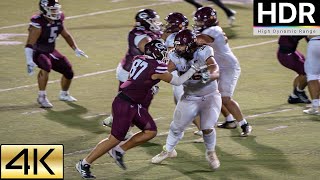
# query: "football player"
174, 23
146, 71
312, 69
229, 12
40, 50
290, 58
201, 96
206, 25
147, 27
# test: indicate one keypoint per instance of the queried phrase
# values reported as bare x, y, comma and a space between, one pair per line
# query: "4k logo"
31, 161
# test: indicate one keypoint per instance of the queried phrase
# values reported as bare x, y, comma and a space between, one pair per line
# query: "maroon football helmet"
205, 17
176, 22
156, 49
149, 19
50, 9
188, 38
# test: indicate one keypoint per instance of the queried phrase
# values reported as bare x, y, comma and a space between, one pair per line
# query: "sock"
315, 103
42, 93
242, 122
64, 92
84, 161
119, 149
210, 140
229, 118
172, 140
299, 90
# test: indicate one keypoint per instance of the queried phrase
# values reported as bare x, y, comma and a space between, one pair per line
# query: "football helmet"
188, 39
50, 9
205, 17
156, 49
176, 22
149, 19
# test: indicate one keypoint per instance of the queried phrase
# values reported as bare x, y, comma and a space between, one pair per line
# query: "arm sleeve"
29, 55
177, 81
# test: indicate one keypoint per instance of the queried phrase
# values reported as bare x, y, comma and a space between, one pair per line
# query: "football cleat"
213, 160
108, 121
118, 157
246, 130
302, 96
44, 102
84, 170
198, 133
66, 97
228, 125
292, 100
163, 155
232, 18
312, 111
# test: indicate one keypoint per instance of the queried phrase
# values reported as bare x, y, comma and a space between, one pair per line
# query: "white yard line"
111, 70
96, 13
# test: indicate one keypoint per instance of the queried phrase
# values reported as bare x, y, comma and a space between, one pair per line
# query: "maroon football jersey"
133, 50
290, 43
140, 82
49, 32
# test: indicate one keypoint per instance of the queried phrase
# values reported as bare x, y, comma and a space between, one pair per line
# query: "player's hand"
30, 68
205, 77
80, 53
155, 89
198, 66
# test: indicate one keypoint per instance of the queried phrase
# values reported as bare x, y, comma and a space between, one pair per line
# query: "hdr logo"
31, 161
285, 17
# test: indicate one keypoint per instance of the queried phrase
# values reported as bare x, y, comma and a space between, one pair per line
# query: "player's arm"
33, 36
203, 39
177, 81
143, 42
70, 40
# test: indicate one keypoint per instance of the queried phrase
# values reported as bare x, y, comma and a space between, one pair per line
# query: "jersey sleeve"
206, 52
161, 68
35, 21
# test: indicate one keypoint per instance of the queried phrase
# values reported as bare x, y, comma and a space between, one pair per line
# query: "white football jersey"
223, 54
170, 40
192, 86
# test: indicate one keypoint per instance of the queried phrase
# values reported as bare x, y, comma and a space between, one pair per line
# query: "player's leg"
295, 61
227, 85
230, 13
62, 65
123, 115
185, 112
312, 68
229, 122
209, 113
194, 3
44, 63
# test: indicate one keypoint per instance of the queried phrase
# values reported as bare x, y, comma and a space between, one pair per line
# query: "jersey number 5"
53, 34
135, 66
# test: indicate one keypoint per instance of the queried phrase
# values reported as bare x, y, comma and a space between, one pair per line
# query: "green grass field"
284, 143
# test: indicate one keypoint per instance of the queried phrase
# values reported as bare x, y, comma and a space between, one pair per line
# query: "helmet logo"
159, 46
184, 39
143, 15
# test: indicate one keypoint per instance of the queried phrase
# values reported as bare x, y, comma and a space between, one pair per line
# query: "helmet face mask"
149, 19
185, 44
157, 50
50, 9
